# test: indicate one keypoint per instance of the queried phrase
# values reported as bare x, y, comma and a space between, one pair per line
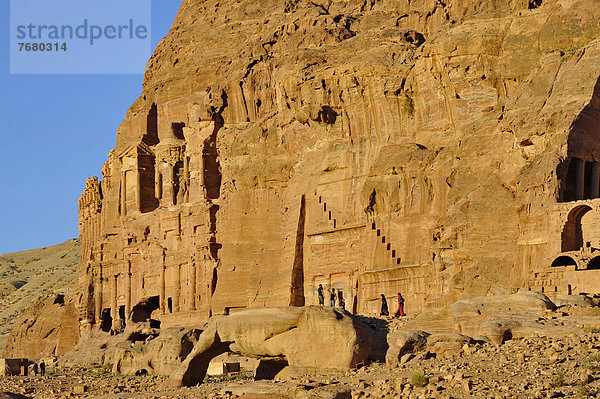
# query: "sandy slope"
25, 276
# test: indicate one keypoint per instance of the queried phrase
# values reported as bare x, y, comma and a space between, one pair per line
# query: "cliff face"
49, 327
372, 146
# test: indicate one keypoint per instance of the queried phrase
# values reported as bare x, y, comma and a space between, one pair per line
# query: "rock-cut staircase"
382, 238
328, 213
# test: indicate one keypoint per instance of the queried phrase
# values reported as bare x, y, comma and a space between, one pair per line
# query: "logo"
79, 36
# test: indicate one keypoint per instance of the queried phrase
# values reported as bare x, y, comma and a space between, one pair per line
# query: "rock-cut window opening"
582, 180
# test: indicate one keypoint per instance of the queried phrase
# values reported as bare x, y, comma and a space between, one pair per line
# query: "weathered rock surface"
444, 344
50, 327
575, 300
162, 355
494, 319
429, 148
469, 316
413, 342
306, 337
406, 342
26, 276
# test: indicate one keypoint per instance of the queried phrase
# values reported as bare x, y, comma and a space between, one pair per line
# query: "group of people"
41, 369
385, 310
339, 295
332, 297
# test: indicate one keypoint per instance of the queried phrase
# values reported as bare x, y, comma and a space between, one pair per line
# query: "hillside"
27, 275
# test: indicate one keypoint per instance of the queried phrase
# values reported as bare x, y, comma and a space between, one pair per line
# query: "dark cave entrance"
106, 324
142, 312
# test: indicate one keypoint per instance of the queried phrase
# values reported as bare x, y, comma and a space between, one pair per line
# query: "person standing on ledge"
321, 296
42, 368
384, 307
400, 311
35, 369
332, 298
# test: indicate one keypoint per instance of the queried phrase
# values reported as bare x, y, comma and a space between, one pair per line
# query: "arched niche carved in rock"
564, 261
572, 234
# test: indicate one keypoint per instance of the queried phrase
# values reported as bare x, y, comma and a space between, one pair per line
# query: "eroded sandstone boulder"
574, 300
162, 355
49, 327
405, 343
467, 316
444, 344
494, 319
306, 337
412, 342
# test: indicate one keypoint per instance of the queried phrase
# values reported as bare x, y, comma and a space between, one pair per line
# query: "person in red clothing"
400, 311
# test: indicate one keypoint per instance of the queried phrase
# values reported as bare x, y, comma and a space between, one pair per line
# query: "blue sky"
56, 131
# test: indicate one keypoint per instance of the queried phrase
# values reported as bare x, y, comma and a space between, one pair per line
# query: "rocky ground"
541, 367
27, 275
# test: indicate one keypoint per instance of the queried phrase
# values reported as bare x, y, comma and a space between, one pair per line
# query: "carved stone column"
201, 174
138, 190
177, 294
124, 193
158, 184
98, 299
168, 191
198, 270
186, 178
114, 312
128, 294
192, 291
162, 290
196, 176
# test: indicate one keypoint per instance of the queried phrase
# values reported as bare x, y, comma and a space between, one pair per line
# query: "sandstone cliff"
428, 147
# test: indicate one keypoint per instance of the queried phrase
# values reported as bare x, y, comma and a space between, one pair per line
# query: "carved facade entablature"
134, 150
171, 223
170, 152
136, 156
